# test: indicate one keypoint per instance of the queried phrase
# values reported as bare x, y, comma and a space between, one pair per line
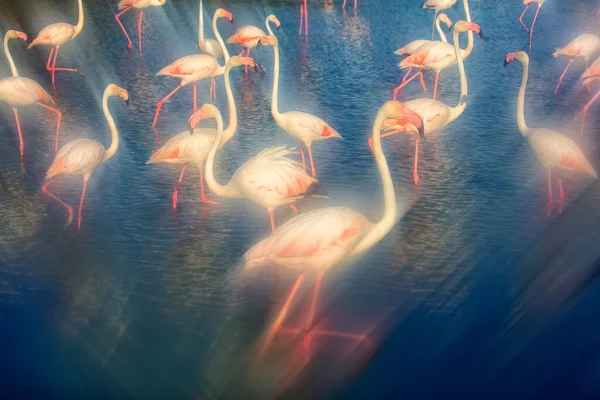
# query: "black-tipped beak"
255, 68
231, 20
278, 26
450, 28
505, 63
421, 129
191, 128
481, 33
127, 101
259, 43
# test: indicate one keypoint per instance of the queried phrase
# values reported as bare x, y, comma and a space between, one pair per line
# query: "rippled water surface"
145, 303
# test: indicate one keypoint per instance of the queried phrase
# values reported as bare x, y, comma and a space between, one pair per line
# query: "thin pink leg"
117, 17
245, 65
415, 173
405, 83
301, 17
272, 218
293, 208
311, 314
55, 68
549, 205
433, 25
306, 19
532, 24
312, 164
53, 71
302, 154
161, 102
406, 74
587, 61
561, 196
563, 75
48, 64
521, 18
355, 1
176, 192
69, 208
21, 145
58, 120
344, 5
195, 105
140, 31
81, 203
203, 197
437, 77
585, 110
422, 82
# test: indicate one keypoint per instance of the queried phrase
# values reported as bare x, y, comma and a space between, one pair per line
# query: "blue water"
474, 293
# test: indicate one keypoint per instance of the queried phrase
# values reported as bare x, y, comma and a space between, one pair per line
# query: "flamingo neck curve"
221, 69
114, 143
456, 111
201, 44
523, 128
13, 67
233, 122
275, 94
80, 20
438, 28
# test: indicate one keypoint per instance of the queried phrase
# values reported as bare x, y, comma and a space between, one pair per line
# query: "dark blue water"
475, 292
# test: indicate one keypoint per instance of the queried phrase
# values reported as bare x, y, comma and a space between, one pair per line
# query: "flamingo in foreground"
126, 5
269, 179
209, 46
249, 35
191, 69
437, 5
527, 3
435, 114
552, 149
82, 156
56, 35
582, 46
319, 240
305, 127
590, 74
17, 91
193, 148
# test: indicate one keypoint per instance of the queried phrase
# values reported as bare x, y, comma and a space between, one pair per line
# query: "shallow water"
145, 303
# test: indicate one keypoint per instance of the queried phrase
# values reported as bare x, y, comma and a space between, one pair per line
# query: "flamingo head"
222, 13
397, 111
272, 18
236, 61
444, 18
207, 111
464, 26
12, 34
520, 56
114, 90
269, 40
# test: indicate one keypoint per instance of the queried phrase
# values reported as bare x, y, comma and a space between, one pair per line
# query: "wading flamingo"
82, 156
17, 91
249, 35
191, 69
583, 46
56, 35
126, 5
435, 56
305, 127
552, 149
591, 74
209, 46
437, 5
269, 179
319, 240
527, 3
193, 148
435, 114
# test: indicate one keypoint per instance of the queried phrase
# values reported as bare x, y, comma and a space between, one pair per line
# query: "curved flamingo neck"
13, 67
523, 128
275, 93
469, 49
221, 43
233, 122
79, 25
223, 191
438, 28
267, 20
201, 44
114, 144
455, 112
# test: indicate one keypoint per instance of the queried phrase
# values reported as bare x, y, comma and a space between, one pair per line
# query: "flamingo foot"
549, 207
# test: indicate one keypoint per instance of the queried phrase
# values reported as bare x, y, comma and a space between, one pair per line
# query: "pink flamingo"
126, 5
582, 46
269, 179
82, 156
437, 5
303, 14
191, 69
305, 127
17, 91
209, 46
435, 114
56, 35
249, 35
590, 74
552, 149
193, 148
319, 240
527, 3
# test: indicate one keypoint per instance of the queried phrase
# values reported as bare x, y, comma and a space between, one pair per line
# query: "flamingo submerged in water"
527, 3
583, 46
193, 147
437, 5
126, 5
249, 35
82, 156
319, 240
591, 74
17, 91
303, 126
552, 149
191, 69
56, 35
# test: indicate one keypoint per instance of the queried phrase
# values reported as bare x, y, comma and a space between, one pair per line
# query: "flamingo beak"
417, 121
127, 101
259, 43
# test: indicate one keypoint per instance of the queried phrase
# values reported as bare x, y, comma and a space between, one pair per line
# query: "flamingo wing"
54, 34
411, 47
184, 147
555, 150
19, 91
307, 127
247, 34
593, 71
195, 65
435, 114
79, 156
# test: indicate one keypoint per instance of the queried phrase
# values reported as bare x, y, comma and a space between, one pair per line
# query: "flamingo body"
247, 36
592, 72
582, 46
434, 55
55, 35
77, 157
186, 148
306, 127
140, 4
435, 116
19, 91
437, 5
191, 68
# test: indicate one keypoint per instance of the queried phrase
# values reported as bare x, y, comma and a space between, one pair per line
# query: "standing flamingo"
56, 35
552, 149
435, 114
191, 69
193, 148
126, 5
82, 156
269, 179
209, 46
17, 91
590, 74
249, 35
319, 240
527, 3
437, 5
305, 127
582, 46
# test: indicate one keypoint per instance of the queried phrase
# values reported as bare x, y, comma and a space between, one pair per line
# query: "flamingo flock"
318, 240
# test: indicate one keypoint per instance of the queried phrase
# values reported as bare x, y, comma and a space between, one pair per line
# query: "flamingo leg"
55, 68
355, 1
532, 24
58, 120
195, 105
302, 154
561, 196
521, 18
301, 17
140, 31
203, 197
69, 208
311, 314
433, 25
406, 74
563, 75
246, 65
437, 77
383, 135
585, 110
81, 203
21, 145
422, 82
161, 102
293, 208
344, 5
117, 17
48, 64
176, 192
405, 83
415, 172
306, 19
312, 164
549, 205
213, 85
272, 218
587, 61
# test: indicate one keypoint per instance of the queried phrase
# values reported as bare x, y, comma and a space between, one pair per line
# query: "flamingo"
552, 149
319, 240
209, 46
590, 74
191, 69
269, 179
82, 156
582, 46
186, 148
305, 127
435, 114
248, 36
17, 91
435, 56
126, 5
437, 5
56, 35
527, 3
